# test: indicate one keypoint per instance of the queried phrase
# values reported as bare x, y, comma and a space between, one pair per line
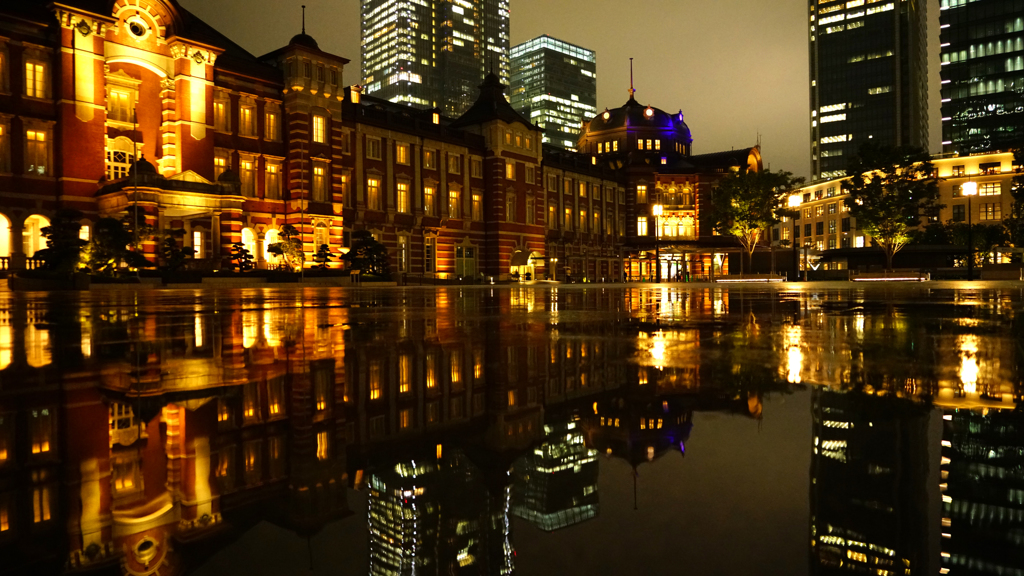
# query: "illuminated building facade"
554, 84
982, 492
235, 146
825, 232
868, 79
869, 511
982, 46
433, 55
651, 152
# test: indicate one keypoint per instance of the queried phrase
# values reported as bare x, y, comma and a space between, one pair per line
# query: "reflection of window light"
969, 369
41, 504
322, 445
374, 381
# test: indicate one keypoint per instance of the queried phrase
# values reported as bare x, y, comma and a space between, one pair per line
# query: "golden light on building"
968, 372
794, 355
323, 447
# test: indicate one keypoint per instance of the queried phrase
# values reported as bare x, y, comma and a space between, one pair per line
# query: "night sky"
736, 68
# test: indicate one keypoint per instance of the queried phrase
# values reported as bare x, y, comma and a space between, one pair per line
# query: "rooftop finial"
632, 91
303, 18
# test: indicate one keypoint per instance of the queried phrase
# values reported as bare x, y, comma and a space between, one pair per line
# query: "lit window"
320, 183
641, 194
247, 175
373, 193
37, 152
119, 106
430, 159
478, 207
454, 204
273, 181
35, 80
270, 125
455, 163
405, 419
641, 226
41, 504
510, 170
428, 200
220, 164
247, 120
402, 153
402, 194
197, 243
319, 129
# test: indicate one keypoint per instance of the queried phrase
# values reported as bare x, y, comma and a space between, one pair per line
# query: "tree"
109, 248
241, 258
145, 232
889, 189
367, 255
1015, 222
322, 257
748, 203
984, 236
174, 256
63, 252
289, 248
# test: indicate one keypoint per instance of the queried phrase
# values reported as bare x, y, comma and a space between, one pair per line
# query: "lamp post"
969, 189
656, 210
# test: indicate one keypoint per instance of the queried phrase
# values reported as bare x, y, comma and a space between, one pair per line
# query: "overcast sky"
736, 68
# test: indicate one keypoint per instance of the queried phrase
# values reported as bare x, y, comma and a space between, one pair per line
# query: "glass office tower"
869, 79
554, 84
433, 55
982, 45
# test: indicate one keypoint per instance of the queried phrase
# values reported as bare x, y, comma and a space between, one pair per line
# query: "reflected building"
869, 509
982, 484
436, 516
556, 486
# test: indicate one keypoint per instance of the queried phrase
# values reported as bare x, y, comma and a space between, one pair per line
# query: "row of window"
597, 225
585, 189
247, 111
430, 157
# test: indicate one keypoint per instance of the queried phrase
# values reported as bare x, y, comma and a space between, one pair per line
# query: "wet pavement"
496, 430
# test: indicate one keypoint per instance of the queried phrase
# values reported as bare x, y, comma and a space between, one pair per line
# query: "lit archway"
5, 236
32, 239
249, 241
271, 237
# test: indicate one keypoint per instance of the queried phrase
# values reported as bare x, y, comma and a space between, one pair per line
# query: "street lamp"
656, 210
969, 189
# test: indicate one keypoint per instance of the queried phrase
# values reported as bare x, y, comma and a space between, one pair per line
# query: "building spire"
632, 90
303, 18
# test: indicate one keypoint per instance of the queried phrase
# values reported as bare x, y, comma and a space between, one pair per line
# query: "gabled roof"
491, 105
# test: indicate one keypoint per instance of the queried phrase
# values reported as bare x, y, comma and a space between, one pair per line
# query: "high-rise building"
982, 43
869, 79
982, 491
554, 84
870, 461
433, 56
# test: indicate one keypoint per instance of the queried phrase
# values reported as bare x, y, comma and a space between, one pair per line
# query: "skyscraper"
433, 56
869, 79
554, 84
982, 43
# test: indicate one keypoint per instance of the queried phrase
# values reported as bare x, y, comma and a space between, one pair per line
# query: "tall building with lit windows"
868, 78
982, 45
554, 84
433, 55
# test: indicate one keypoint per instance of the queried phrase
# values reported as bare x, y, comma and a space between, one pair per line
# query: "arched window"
32, 238
120, 155
249, 241
320, 236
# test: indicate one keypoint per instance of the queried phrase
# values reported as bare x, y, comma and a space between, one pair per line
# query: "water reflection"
139, 431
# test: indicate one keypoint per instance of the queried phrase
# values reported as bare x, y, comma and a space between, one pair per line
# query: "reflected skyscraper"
869, 508
982, 483
437, 517
556, 486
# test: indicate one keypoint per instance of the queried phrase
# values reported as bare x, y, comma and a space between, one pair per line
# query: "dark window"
959, 213
775, 234
819, 228
844, 242
807, 229
796, 232
846, 224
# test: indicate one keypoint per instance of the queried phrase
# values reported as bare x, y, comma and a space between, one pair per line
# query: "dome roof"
304, 39
635, 115
143, 166
229, 177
